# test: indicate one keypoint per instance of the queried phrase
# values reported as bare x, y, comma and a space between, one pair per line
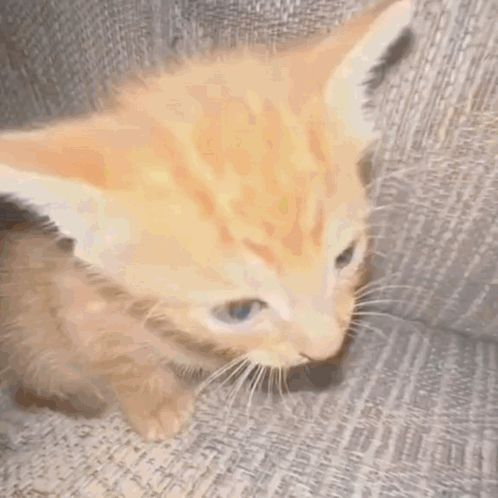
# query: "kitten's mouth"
309, 359
308, 376
333, 359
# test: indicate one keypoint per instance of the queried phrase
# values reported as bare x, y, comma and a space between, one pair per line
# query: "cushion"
414, 415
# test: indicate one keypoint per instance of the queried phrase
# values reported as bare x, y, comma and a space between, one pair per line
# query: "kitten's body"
224, 198
74, 337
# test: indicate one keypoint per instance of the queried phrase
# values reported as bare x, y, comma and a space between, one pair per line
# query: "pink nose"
310, 358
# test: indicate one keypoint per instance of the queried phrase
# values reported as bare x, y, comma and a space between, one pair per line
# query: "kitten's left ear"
339, 65
73, 150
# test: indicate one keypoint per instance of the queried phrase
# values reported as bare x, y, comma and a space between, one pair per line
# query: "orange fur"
236, 178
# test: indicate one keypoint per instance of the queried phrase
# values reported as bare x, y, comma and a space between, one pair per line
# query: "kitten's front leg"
122, 353
152, 397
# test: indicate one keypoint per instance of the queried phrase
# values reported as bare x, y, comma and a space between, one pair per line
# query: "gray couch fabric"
417, 411
413, 417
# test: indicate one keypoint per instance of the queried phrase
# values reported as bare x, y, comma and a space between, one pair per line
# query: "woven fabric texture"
416, 413
413, 417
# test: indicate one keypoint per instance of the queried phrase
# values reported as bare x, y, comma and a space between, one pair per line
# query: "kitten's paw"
162, 419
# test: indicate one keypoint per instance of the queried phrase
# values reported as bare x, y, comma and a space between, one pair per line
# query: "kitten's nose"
320, 352
317, 336
314, 359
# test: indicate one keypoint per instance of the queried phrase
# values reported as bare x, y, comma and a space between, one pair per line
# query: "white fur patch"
80, 211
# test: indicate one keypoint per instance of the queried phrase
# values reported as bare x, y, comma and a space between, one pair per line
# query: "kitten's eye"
238, 311
345, 257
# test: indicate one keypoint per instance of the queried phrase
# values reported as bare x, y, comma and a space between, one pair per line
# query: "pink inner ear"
52, 153
347, 54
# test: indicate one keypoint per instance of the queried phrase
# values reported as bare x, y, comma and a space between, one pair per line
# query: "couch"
412, 410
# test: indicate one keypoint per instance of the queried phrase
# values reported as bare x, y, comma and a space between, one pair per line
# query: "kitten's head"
236, 182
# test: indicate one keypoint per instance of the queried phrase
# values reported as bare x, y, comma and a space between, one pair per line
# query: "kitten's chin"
287, 356
276, 360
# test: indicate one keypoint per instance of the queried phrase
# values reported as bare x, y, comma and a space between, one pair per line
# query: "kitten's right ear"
338, 66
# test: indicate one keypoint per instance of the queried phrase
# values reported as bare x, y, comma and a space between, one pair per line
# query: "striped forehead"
270, 176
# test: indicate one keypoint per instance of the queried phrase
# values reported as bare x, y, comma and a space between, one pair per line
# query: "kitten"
219, 219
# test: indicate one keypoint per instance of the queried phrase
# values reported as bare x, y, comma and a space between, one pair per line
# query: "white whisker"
259, 373
235, 372
235, 391
371, 283
221, 371
397, 174
379, 254
271, 384
377, 237
369, 327
378, 301
398, 205
364, 291
279, 385
373, 313
281, 379
149, 312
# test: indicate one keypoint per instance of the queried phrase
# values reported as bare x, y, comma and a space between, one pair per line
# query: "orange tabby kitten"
218, 215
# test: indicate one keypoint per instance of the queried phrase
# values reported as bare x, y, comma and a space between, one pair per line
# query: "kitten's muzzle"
313, 359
